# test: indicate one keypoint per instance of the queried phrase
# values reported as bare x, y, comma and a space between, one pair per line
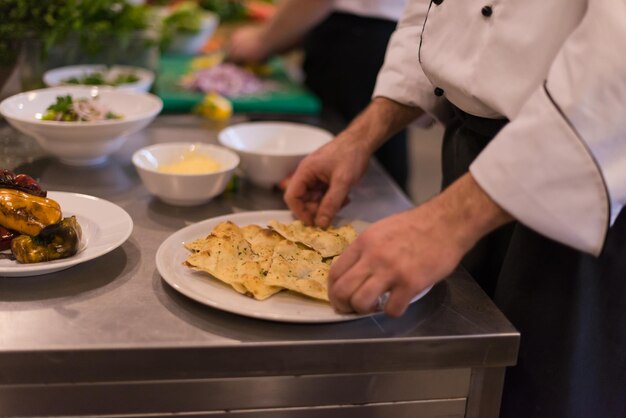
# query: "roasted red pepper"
6, 235
22, 182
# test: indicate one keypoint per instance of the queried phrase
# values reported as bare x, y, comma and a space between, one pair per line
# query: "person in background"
344, 47
533, 96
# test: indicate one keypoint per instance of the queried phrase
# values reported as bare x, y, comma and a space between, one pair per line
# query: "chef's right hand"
320, 185
246, 45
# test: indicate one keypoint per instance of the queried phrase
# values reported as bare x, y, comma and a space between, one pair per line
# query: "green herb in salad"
185, 17
93, 79
68, 109
99, 79
125, 78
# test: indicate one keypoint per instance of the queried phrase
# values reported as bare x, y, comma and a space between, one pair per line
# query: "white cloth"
556, 70
384, 9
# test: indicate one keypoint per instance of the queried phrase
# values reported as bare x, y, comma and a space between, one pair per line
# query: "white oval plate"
105, 226
201, 287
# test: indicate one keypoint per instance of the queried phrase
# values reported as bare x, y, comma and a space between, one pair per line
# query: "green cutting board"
290, 98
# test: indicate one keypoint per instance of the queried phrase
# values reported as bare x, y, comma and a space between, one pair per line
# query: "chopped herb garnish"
66, 109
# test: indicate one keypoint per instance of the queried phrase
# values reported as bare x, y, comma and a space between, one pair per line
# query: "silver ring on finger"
381, 301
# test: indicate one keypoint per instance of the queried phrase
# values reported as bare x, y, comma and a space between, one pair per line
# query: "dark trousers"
569, 307
342, 58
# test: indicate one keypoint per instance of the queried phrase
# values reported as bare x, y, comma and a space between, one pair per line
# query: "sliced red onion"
226, 79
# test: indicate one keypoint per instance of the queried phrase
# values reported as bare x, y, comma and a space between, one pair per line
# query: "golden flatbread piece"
250, 231
227, 229
223, 229
219, 258
196, 245
299, 269
263, 244
254, 280
228, 256
328, 242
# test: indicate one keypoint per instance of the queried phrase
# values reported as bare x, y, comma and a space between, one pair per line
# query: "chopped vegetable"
66, 109
99, 79
226, 79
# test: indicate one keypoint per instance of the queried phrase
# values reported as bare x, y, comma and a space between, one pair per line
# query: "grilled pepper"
6, 235
26, 213
23, 182
54, 242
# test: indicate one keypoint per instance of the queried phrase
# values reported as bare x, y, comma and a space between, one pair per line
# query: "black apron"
342, 58
569, 307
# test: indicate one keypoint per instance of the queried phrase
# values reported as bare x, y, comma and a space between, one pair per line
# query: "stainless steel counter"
110, 337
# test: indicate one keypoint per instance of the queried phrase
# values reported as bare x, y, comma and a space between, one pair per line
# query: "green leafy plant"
227, 10
97, 23
20, 17
93, 22
185, 17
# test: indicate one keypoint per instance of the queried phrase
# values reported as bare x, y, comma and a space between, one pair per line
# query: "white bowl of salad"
78, 124
118, 76
186, 28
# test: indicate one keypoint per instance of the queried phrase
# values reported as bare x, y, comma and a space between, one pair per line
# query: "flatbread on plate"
228, 256
328, 242
299, 269
260, 262
220, 258
221, 230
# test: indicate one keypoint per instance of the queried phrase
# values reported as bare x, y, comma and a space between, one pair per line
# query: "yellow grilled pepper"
27, 214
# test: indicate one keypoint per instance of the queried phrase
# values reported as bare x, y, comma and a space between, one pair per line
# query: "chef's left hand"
410, 251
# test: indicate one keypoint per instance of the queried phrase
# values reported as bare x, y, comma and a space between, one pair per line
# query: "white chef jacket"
384, 9
557, 70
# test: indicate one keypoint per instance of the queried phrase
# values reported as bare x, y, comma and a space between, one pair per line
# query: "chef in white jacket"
533, 96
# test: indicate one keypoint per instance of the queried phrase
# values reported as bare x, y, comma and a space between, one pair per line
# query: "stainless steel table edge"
252, 359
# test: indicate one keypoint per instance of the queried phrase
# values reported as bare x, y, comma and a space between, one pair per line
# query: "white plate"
283, 307
105, 227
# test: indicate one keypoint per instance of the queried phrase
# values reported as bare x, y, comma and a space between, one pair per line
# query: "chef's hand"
320, 185
285, 30
247, 45
408, 252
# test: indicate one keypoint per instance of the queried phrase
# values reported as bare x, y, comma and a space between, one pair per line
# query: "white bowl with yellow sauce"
184, 173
